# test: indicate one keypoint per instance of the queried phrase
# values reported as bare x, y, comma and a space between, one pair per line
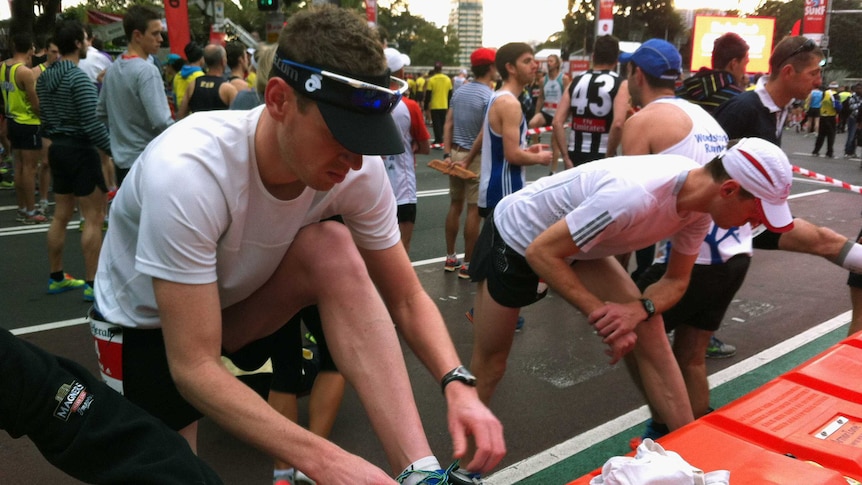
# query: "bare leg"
689, 348
57, 231
493, 333
93, 210
406, 229
453, 222
354, 319
471, 230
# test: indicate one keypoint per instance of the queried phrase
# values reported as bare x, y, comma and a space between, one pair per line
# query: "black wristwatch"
460, 374
649, 306
446, 155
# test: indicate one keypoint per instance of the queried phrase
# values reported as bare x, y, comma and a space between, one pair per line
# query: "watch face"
648, 306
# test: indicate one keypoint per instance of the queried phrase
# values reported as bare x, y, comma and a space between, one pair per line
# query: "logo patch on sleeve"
72, 398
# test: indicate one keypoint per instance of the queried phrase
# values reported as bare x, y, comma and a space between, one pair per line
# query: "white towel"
653, 465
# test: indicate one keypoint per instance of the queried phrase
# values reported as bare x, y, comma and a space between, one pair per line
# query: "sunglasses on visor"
342, 90
807, 46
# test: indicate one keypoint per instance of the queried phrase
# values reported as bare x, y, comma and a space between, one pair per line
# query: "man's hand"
350, 469
546, 156
469, 417
615, 323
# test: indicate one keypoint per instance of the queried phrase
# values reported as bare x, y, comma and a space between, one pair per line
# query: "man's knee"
325, 248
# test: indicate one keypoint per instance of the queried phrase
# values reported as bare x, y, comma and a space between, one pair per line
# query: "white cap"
396, 60
763, 169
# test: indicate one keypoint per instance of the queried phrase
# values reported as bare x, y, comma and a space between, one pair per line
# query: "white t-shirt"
705, 141
399, 168
95, 62
611, 206
194, 210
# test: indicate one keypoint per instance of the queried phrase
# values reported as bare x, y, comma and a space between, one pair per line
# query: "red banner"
371, 11
814, 18
177, 18
605, 23
95, 17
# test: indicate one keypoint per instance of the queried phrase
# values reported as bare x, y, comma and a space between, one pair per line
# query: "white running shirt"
611, 206
194, 210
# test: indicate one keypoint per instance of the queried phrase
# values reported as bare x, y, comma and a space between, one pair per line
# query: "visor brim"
362, 133
776, 217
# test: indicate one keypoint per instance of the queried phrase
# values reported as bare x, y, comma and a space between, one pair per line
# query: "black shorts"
146, 377
854, 280
580, 158
24, 137
76, 168
291, 371
709, 293
407, 213
549, 118
511, 281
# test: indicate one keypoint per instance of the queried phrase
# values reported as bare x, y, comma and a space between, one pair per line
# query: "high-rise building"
465, 17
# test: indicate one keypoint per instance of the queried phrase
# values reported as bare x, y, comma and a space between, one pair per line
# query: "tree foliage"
844, 34
423, 41
633, 21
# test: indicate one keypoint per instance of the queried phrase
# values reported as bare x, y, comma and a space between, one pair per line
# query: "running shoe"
20, 215
6, 185
452, 263
462, 477
653, 431
89, 294
66, 284
464, 272
35, 218
719, 350
437, 477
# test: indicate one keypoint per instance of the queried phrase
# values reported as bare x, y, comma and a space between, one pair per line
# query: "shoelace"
430, 477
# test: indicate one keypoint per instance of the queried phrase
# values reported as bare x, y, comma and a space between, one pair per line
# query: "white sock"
429, 463
850, 257
279, 473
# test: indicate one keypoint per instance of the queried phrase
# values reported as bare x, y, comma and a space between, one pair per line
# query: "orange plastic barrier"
836, 371
710, 448
787, 417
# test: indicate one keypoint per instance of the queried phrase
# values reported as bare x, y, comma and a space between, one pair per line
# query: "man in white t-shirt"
215, 242
401, 168
567, 228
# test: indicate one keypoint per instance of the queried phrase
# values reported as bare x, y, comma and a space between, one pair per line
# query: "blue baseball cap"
656, 57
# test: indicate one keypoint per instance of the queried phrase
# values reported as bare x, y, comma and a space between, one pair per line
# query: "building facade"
465, 18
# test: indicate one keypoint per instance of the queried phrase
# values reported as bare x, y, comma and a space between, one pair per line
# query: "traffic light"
267, 5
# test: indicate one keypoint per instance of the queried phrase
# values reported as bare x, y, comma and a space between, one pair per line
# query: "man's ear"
279, 97
729, 188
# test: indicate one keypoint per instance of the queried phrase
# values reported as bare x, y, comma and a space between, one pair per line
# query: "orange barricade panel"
855, 340
710, 449
836, 372
786, 417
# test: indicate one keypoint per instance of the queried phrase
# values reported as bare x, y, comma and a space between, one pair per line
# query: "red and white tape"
827, 179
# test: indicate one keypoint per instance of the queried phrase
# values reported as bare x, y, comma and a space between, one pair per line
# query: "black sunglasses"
807, 46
